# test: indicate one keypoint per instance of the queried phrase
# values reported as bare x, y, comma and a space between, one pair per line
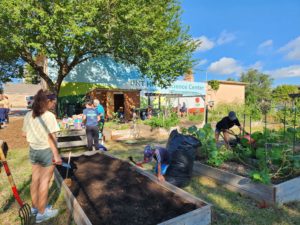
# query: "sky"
237, 35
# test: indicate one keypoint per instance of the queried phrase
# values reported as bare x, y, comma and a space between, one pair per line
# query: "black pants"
92, 134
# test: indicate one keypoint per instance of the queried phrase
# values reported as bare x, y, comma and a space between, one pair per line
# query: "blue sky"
240, 34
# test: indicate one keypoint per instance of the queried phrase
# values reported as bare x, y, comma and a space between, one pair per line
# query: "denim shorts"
41, 157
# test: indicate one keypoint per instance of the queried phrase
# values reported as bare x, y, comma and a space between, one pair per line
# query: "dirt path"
12, 134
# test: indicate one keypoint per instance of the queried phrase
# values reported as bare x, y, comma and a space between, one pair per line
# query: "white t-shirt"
37, 129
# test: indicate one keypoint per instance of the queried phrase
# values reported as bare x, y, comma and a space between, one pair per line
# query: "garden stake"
25, 210
68, 181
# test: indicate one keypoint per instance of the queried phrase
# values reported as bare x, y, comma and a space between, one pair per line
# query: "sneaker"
34, 211
48, 214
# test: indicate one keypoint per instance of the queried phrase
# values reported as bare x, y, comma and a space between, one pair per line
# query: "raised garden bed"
106, 190
284, 192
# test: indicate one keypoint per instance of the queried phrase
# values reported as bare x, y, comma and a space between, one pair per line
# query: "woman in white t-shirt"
39, 128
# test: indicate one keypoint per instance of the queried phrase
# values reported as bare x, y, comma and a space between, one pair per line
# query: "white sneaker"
34, 211
48, 214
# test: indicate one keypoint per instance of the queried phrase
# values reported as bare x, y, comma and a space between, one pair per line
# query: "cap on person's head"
148, 153
232, 115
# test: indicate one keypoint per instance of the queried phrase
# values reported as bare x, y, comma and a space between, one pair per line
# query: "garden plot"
263, 167
105, 190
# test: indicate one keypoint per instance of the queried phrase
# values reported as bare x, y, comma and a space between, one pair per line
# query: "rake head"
25, 215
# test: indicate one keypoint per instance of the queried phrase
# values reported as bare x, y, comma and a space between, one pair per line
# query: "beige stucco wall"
227, 93
17, 100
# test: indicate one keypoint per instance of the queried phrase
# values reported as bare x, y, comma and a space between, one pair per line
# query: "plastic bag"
182, 150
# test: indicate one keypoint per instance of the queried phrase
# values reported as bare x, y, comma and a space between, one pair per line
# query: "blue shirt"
162, 155
91, 117
101, 111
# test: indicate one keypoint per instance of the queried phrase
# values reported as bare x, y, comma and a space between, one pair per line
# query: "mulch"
12, 134
111, 192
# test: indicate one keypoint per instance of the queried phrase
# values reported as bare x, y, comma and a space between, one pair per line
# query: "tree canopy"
148, 34
280, 94
258, 87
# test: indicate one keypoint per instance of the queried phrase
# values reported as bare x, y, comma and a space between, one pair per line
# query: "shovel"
68, 181
25, 214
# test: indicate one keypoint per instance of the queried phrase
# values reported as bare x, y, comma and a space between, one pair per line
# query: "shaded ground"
111, 192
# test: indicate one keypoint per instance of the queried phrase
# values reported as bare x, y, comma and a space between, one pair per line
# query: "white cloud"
265, 46
202, 62
257, 65
225, 66
285, 72
292, 49
205, 44
225, 37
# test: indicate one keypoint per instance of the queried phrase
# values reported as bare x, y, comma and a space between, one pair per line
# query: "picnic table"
71, 138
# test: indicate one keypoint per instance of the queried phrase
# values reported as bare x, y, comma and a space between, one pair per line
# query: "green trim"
79, 88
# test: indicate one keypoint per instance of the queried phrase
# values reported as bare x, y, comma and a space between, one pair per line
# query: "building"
228, 92
17, 93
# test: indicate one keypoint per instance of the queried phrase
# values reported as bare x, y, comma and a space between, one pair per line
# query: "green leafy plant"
209, 148
162, 121
214, 84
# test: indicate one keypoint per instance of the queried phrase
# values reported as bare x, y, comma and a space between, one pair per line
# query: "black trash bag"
182, 150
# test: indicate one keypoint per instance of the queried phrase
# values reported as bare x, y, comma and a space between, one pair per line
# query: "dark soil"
112, 193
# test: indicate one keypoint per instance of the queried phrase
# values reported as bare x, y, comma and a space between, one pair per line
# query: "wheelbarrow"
25, 214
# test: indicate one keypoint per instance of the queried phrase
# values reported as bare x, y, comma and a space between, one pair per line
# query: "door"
118, 102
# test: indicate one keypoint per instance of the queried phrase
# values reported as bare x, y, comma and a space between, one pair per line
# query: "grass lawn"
228, 207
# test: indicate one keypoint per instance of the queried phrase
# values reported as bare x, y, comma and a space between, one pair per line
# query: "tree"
31, 76
258, 86
281, 93
144, 33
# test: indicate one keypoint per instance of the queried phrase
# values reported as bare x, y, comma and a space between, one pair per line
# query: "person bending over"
39, 128
162, 157
225, 124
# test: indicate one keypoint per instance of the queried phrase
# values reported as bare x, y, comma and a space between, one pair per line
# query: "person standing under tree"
39, 128
91, 119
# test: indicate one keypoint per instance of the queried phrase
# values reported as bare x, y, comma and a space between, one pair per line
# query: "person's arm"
52, 142
159, 175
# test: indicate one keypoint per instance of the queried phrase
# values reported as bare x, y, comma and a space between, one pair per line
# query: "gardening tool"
66, 165
25, 210
134, 162
68, 181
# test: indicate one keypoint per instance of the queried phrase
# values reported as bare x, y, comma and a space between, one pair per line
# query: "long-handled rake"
25, 210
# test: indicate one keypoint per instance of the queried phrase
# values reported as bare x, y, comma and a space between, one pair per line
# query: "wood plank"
237, 183
288, 191
69, 144
201, 216
71, 133
78, 214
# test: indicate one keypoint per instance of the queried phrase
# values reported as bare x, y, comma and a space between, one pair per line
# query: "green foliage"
281, 93
147, 34
261, 176
196, 117
31, 76
258, 86
162, 121
214, 84
208, 149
